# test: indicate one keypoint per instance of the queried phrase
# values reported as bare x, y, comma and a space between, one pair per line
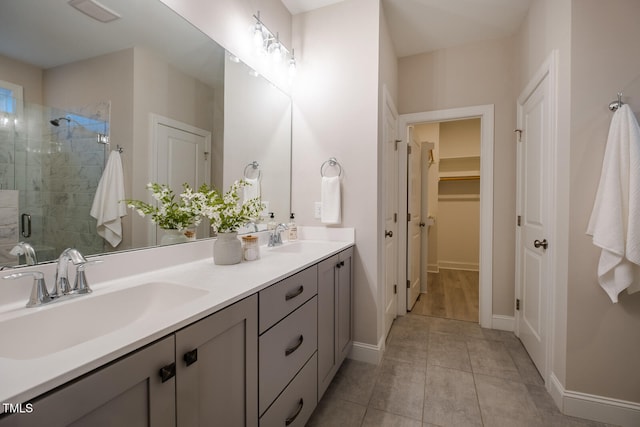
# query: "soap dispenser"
293, 229
271, 225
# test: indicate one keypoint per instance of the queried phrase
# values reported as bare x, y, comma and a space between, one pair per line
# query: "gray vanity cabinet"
217, 368
265, 360
127, 392
334, 315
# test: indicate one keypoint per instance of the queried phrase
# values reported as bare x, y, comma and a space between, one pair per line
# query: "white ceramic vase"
227, 249
170, 237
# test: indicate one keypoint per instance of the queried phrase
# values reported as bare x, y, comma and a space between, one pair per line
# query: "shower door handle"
26, 225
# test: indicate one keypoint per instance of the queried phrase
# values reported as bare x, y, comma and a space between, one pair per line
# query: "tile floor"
441, 372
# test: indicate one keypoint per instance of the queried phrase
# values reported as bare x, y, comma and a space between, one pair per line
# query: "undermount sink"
53, 328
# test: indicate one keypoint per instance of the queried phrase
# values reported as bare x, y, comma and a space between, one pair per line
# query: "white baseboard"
433, 268
592, 407
453, 265
368, 353
503, 323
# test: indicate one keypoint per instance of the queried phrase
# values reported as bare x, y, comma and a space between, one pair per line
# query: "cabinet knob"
191, 357
293, 417
340, 264
290, 350
167, 372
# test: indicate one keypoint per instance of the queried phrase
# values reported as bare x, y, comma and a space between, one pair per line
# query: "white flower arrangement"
224, 211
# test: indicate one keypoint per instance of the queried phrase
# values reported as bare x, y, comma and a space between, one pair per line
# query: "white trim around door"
486, 115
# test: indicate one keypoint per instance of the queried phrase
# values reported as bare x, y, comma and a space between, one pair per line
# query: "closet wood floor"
452, 294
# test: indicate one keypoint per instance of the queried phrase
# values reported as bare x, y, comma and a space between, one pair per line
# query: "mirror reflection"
73, 89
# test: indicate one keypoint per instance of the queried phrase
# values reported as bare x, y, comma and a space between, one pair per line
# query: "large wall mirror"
142, 81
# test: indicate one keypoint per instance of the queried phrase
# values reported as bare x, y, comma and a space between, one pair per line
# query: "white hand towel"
330, 199
614, 221
252, 189
108, 205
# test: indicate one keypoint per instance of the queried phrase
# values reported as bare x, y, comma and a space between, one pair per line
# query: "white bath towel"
330, 199
252, 189
108, 205
614, 222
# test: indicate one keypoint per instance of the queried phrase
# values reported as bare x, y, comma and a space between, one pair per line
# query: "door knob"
388, 233
543, 243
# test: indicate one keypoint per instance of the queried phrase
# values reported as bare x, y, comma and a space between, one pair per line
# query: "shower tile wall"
74, 173
73, 166
8, 225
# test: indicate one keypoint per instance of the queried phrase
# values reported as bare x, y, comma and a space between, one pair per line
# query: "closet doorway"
456, 149
450, 153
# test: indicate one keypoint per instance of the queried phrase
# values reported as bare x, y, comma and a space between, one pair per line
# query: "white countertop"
24, 379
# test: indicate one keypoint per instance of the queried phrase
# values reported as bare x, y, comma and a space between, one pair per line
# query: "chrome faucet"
252, 224
275, 239
62, 286
61, 290
24, 248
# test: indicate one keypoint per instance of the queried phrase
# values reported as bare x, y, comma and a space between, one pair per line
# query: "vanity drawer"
280, 299
284, 349
297, 402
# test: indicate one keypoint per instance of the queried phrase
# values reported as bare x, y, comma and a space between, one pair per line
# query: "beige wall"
476, 74
603, 338
336, 114
25, 75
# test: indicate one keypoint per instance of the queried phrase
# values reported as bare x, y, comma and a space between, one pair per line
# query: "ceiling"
419, 26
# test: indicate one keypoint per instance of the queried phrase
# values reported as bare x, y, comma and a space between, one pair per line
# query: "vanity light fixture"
95, 10
267, 43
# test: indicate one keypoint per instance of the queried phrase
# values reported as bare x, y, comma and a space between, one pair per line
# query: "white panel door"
182, 157
532, 275
390, 200
414, 222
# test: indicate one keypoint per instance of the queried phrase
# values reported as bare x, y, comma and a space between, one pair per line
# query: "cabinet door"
217, 368
326, 322
344, 295
128, 392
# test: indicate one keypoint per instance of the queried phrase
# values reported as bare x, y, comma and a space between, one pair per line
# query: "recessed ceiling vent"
95, 10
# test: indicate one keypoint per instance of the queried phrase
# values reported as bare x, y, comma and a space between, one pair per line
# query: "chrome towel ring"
332, 162
252, 166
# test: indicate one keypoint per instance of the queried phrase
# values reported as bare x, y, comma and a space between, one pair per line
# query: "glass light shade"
276, 51
258, 36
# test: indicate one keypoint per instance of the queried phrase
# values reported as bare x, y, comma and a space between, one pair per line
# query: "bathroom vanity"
254, 344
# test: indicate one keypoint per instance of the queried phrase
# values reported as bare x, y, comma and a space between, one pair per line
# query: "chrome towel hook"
332, 162
614, 105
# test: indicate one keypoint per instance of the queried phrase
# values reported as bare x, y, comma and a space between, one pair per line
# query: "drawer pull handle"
167, 372
191, 357
290, 350
293, 417
292, 295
